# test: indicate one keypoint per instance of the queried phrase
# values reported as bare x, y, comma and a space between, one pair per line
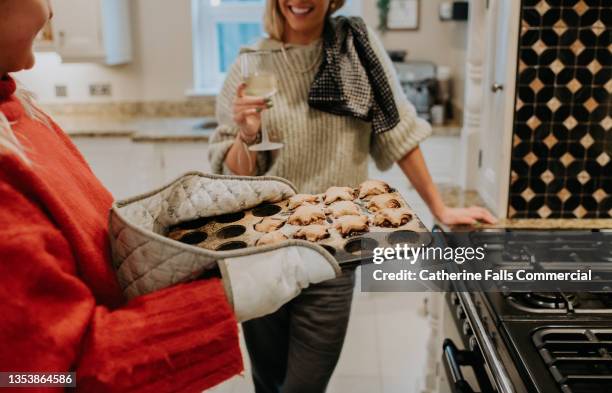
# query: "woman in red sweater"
61, 307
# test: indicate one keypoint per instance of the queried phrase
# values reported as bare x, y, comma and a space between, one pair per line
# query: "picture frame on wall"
403, 15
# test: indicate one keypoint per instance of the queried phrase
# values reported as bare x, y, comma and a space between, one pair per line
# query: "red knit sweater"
60, 305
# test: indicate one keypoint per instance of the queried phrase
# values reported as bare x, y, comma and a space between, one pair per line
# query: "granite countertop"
454, 196
162, 129
551, 223
140, 129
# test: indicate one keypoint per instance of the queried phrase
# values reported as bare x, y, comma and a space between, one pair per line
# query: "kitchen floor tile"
360, 354
400, 385
243, 384
355, 384
225, 387
403, 331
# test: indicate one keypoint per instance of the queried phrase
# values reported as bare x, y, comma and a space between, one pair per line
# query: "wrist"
438, 209
246, 138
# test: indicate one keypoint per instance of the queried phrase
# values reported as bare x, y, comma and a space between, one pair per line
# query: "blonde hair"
9, 144
274, 21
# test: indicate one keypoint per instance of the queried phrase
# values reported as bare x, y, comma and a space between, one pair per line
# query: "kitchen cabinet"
177, 158
92, 31
127, 167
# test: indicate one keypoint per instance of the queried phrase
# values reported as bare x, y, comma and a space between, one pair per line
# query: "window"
220, 28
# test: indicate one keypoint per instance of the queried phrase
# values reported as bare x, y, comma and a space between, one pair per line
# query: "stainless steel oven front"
474, 357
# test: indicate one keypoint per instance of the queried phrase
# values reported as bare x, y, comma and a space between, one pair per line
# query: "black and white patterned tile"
562, 143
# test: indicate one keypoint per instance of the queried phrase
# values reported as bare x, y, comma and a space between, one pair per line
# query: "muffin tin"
236, 231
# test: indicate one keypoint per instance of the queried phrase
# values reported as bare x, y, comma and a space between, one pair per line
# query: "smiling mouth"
300, 11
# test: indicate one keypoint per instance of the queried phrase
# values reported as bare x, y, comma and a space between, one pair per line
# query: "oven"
541, 342
474, 357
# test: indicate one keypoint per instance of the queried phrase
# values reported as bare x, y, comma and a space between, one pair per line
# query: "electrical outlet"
100, 90
61, 91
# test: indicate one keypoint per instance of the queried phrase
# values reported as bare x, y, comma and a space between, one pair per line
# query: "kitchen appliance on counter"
543, 342
419, 83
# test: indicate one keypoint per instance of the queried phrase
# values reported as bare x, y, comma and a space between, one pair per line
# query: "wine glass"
258, 75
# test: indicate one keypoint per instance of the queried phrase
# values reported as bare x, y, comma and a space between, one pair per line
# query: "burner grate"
560, 302
580, 360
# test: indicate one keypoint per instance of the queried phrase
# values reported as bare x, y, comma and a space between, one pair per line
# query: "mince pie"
312, 233
343, 208
271, 238
383, 201
392, 218
302, 199
373, 187
306, 215
269, 224
334, 194
348, 225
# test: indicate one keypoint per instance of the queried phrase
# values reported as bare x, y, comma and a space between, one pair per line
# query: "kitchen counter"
152, 129
455, 197
550, 223
162, 129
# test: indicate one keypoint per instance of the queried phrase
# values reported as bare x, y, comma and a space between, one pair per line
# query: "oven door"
459, 370
465, 382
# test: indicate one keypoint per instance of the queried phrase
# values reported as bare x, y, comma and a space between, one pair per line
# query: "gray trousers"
296, 349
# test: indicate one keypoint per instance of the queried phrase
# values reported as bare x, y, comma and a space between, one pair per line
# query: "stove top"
563, 357
560, 340
551, 305
579, 359
560, 303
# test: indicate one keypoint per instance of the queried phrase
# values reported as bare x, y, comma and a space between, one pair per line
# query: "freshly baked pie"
312, 233
343, 208
306, 215
373, 187
347, 225
392, 218
334, 194
383, 201
271, 238
269, 224
302, 199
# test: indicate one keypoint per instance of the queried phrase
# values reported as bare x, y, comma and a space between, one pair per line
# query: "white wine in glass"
261, 85
258, 75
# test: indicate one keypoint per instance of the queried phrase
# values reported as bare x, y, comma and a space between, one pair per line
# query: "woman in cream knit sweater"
296, 348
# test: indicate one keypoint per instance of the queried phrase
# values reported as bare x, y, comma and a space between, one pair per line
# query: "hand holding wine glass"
260, 80
247, 112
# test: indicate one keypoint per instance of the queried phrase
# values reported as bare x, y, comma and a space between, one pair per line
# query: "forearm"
414, 167
194, 336
240, 160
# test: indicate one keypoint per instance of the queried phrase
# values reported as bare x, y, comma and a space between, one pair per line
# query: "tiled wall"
562, 147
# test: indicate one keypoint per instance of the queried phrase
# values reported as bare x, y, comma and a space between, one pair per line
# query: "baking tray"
236, 231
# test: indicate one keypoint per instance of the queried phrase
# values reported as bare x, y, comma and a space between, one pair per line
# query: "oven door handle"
454, 359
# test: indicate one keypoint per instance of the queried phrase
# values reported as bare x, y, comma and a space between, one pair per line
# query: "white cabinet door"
92, 31
77, 26
129, 168
177, 158
125, 168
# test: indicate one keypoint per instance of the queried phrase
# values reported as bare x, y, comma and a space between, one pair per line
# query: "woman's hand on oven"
465, 216
247, 112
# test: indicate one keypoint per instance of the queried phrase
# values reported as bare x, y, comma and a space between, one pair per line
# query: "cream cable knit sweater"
321, 149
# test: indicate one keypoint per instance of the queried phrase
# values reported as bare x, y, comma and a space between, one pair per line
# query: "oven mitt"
146, 260
259, 284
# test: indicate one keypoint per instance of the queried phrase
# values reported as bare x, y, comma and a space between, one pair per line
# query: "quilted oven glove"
259, 284
257, 280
